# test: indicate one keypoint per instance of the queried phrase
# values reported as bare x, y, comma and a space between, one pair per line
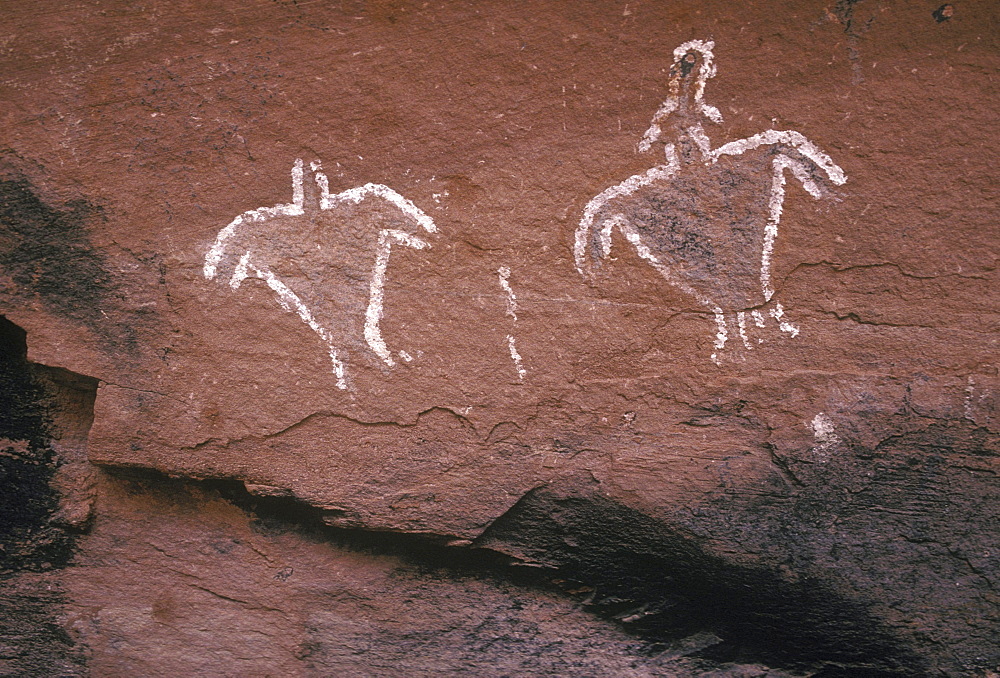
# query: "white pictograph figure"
707, 219
325, 257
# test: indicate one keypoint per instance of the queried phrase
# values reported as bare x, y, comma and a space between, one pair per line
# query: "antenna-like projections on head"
692, 59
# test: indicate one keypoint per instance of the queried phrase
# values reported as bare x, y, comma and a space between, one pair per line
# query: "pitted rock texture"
840, 445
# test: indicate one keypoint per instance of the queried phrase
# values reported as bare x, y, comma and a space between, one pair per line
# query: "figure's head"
693, 64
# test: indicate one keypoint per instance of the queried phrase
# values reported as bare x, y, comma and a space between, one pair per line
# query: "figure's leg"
775, 206
596, 227
741, 321
592, 241
759, 322
338, 365
722, 335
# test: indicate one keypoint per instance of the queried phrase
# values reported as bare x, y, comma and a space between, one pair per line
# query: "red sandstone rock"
859, 453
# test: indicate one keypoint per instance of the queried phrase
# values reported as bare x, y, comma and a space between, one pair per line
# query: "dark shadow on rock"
34, 542
27, 463
278, 515
905, 528
665, 584
878, 560
435, 609
32, 642
662, 584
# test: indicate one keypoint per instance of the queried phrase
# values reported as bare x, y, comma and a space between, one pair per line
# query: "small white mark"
504, 273
504, 276
722, 335
778, 313
516, 357
824, 433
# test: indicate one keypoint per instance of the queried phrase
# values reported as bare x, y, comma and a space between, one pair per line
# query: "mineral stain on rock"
46, 256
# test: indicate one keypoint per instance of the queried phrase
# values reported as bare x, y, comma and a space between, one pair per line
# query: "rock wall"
319, 316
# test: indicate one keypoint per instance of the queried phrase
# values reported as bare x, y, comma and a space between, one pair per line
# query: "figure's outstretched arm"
295, 208
788, 138
373, 316
775, 206
592, 240
386, 238
356, 195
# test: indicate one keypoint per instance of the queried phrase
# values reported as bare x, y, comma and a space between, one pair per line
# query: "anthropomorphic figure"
707, 218
325, 256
